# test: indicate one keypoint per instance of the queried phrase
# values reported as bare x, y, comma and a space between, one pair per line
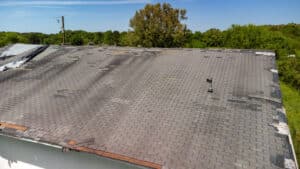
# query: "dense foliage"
78, 37
159, 26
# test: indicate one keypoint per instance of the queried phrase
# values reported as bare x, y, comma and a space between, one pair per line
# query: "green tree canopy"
108, 37
159, 25
213, 38
77, 40
34, 37
98, 38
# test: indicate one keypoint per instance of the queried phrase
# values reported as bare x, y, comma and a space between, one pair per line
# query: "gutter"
291, 144
32, 141
100, 153
293, 150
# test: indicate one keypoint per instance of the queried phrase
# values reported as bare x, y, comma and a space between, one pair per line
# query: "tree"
77, 40
159, 25
34, 38
213, 38
194, 40
248, 36
128, 39
53, 39
116, 37
108, 38
12, 37
98, 38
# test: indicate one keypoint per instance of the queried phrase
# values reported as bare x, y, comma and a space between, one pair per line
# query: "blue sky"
101, 15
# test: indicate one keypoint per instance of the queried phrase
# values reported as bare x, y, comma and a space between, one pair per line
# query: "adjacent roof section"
16, 55
151, 106
17, 49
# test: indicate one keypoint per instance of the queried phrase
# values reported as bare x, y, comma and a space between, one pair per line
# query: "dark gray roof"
151, 105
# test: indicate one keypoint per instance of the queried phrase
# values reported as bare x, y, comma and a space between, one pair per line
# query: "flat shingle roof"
150, 105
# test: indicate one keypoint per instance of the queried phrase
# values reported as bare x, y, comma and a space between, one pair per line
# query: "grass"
297, 51
291, 101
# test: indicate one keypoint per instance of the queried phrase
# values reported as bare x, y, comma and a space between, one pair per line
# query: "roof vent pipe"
210, 81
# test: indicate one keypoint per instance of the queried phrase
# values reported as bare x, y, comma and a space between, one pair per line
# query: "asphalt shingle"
152, 104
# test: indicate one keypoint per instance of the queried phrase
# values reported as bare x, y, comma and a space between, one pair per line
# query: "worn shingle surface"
151, 104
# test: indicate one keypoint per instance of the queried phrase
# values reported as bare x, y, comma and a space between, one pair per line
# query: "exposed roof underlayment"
151, 107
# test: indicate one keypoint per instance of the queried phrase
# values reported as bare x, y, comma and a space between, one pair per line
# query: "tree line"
78, 37
283, 39
161, 25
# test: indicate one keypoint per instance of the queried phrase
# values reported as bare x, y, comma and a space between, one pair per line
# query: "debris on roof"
289, 164
282, 128
274, 70
265, 53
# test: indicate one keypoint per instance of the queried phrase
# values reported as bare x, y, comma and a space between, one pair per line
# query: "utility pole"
63, 29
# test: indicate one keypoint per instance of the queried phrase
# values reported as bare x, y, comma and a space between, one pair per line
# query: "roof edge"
31, 141
72, 145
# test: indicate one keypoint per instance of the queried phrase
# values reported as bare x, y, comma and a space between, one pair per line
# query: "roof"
13, 56
151, 106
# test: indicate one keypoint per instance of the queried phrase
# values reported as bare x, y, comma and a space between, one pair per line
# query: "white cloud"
47, 6
72, 2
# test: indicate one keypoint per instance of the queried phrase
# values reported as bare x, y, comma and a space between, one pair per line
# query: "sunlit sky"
102, 15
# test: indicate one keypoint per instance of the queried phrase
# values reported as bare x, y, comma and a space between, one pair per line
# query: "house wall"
18, 154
